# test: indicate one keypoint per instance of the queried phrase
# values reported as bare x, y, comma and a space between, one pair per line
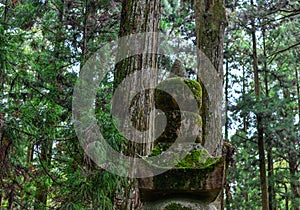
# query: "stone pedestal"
190, 188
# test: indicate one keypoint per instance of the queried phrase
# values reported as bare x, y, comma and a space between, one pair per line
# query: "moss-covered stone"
159, 148
180, 89
181, 124
198, 175
198, 159
203, 184
195, 87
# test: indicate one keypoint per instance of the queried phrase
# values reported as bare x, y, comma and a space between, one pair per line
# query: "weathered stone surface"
170, 93
180, 124
183, 155
179, 204
202, 184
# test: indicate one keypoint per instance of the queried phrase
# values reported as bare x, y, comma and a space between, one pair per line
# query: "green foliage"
177, 19
277, 104
41, 49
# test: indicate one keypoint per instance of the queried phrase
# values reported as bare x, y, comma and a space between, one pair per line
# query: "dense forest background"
43, 44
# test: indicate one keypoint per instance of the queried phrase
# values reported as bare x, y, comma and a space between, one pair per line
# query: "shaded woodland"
45, 43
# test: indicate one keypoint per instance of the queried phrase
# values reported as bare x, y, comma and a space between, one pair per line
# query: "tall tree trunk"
294, 180
138, 16
45, 162
85, 13
226, 198
210, 26
298, 89
259, 126
292, 155
29, 155
245, 118
5, 147
294, 166
297, 55
226, 100
269, 146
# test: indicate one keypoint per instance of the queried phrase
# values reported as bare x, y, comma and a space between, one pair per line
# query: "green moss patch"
195, 87
199, 159
195, 159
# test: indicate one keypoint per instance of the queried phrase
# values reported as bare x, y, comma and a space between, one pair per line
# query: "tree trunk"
295, 170
227, 197
295, 186
226, 100
45, 162
269, 146
29, 155
292, 155
210, 26
142, 16
260, 132
298, 88
138, 16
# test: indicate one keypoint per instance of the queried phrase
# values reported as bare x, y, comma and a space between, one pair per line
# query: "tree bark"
226, 100
295, 163
29, 155
210, 26
295, 186
227, 197
138, 16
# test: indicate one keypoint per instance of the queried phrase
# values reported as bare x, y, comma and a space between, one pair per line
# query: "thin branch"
282, 50
48, 173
